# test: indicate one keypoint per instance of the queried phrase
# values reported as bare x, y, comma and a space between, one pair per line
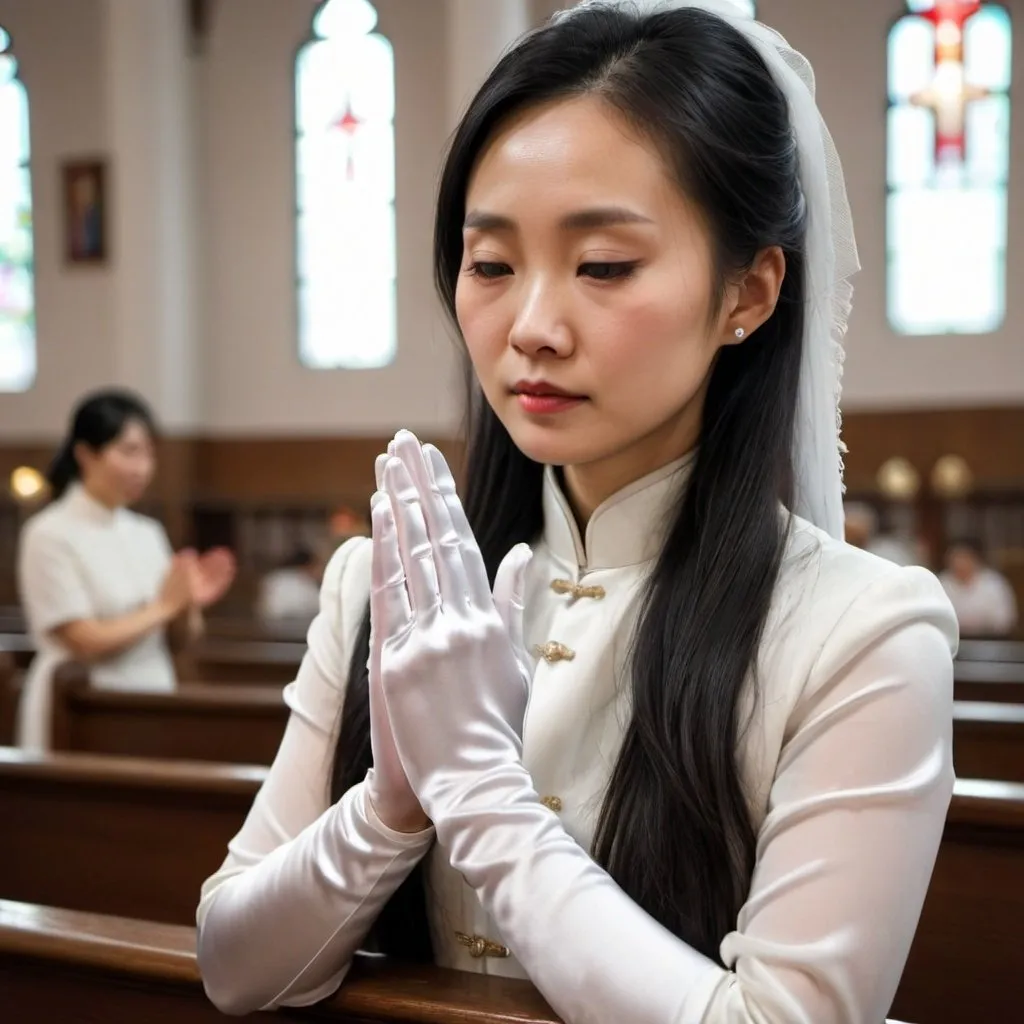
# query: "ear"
82, 453
756, 296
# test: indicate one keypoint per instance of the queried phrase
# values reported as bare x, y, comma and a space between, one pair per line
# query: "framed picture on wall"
84, 188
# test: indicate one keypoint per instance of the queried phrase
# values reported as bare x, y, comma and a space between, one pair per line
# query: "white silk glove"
387, 786
455, 682
454, 673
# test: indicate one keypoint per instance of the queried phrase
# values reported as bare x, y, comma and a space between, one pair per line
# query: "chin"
134, 495
553, 445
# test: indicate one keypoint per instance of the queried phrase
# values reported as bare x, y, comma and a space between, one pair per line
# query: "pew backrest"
10, 694
20, 646
128, 971
246, 661
988, 740
991, 650
126, 836
234, 724
967, 949
998, 681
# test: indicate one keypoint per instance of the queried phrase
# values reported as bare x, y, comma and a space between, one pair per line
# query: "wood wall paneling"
241, 490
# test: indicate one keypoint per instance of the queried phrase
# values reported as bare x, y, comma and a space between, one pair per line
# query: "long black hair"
98, 420
675, 829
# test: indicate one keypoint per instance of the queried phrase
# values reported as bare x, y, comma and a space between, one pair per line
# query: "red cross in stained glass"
955, 11
949, 95
349, 124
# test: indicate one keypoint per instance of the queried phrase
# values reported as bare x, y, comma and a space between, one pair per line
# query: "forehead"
134, 432
571, 153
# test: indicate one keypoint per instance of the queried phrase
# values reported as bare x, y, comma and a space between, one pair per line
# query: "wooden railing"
63, 966
233, 723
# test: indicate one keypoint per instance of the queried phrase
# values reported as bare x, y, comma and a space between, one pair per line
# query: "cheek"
123, 467
653, 341
132, 467
484, 327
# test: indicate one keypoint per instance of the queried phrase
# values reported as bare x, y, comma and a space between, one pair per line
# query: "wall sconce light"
952, 477
28, 485
898, 480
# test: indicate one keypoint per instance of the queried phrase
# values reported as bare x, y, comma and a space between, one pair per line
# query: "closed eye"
488, 270
608, 271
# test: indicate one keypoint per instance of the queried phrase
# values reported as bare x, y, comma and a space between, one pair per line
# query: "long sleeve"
844, 856
304, 880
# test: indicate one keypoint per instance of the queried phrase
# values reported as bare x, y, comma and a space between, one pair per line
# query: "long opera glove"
456, 692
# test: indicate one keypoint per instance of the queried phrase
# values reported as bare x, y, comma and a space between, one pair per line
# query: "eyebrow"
580, 220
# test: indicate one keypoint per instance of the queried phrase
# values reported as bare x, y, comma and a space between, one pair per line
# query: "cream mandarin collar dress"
846, 762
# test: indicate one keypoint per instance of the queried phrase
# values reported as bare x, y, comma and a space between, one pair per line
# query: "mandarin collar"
81, 503
626, 529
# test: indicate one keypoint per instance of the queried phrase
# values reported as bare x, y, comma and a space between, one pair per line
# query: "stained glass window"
17, 303
948, 167
345, 191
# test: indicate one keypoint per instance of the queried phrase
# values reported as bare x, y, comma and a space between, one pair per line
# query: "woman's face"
119, 473
585, 294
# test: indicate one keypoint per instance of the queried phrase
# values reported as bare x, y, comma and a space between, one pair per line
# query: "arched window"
948, 167
345, 191
17, 301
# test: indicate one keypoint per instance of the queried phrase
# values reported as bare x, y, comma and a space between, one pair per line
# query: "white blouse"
78, 559
847, 764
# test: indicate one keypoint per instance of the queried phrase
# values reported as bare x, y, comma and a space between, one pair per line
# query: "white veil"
831, 261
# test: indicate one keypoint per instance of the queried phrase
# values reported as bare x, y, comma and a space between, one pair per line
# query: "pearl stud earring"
740, 333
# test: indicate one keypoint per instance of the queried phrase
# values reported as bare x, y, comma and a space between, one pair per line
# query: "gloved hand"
454, 674
387, 786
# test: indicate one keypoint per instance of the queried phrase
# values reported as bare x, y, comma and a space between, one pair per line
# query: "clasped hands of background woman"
197, 581
449, 675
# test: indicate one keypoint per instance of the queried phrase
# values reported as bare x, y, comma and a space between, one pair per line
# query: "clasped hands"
449, 675
197, 581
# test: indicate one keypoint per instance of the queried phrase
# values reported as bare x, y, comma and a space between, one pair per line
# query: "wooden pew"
967, 959
235, 724
107, 834
998, 681
11, 620
10, 694
116, 835
246, 661
991, 650
69, 967
988, 740
260, 658
20, 646
293, 630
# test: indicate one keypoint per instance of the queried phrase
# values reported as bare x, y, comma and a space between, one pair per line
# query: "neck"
100, 497
588, 485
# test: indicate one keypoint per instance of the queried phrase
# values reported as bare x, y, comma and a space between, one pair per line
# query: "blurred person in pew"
291, 593
861, 530
99, 583
691, 760
982, 597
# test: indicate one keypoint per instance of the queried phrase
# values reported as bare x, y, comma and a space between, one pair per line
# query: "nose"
541, 326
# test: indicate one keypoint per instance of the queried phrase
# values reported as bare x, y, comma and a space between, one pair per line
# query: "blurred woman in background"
100, 583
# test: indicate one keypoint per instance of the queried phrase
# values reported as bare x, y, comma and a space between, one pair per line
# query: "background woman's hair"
97, 420
675, 829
